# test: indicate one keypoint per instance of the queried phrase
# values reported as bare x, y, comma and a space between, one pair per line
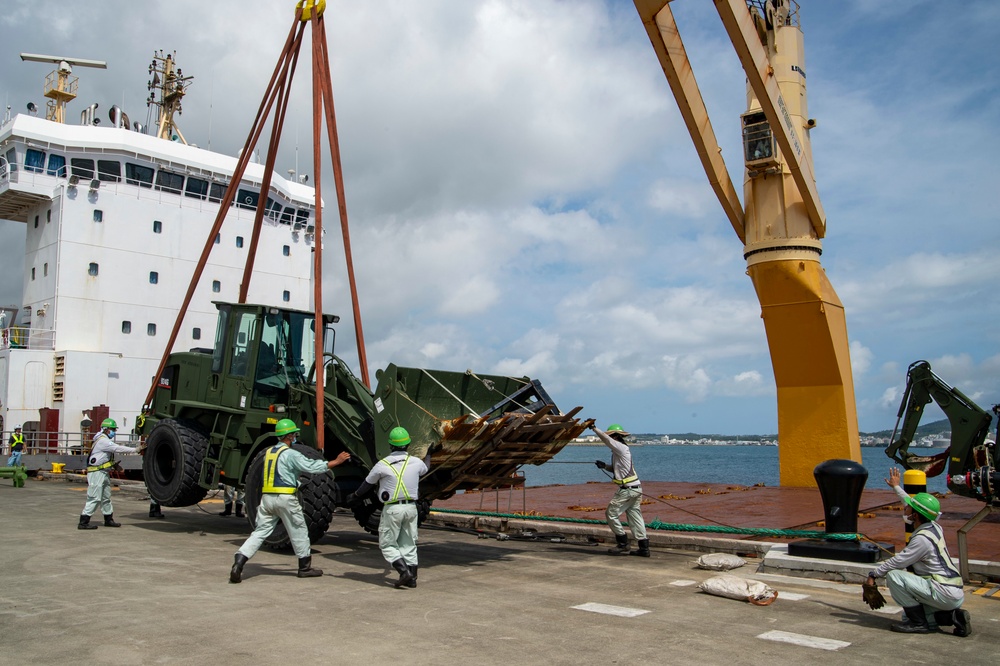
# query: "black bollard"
840, 483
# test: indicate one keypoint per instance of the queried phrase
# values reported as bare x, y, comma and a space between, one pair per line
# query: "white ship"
117, 218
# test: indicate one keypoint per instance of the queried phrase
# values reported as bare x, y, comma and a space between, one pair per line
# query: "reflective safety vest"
944, 559
273, 483
399, 482
628, 479
18, 441
103, 466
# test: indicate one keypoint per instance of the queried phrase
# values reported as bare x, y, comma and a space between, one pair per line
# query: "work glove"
871, 595
601, 464
351, 499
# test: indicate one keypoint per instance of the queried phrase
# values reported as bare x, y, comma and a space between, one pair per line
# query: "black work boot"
915, 623
405, 577
109, 520
944, 618
239, 510
413, 572
154, 511
236, 573
85, 524
228, 511
622, 547
643, 548
962, 622
305, 568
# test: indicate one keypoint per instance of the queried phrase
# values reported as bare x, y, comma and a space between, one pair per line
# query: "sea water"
731, 465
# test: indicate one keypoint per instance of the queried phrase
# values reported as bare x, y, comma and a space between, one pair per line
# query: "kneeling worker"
398, 478
282, 467
936, 584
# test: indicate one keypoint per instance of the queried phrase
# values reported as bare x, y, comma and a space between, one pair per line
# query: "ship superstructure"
116, 221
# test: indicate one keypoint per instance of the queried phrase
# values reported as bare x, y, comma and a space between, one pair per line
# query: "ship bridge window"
286, 215
217, 192
11, 159
247, 199
109, 171
169, 182
57, 166
196, 188
136, 174
83, 168
34, 160
302, 216
273, 209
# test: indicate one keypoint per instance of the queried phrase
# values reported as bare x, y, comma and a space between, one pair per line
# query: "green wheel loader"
213, 413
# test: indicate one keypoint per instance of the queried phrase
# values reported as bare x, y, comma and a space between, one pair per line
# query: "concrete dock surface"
157, 592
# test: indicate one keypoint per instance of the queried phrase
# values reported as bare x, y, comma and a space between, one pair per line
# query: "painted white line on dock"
684, 583
803, 640
792, 596
606, 609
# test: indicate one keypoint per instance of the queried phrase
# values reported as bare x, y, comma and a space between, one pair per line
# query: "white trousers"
397, 533
626, 500
98, 493
273, 508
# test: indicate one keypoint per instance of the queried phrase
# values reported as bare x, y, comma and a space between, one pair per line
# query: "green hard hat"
398, 437
285, 427
109, 423
614, 427
926, 505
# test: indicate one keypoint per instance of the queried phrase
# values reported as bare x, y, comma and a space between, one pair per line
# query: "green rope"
675, 527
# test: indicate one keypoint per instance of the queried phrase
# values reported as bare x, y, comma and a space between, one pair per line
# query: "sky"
524, 198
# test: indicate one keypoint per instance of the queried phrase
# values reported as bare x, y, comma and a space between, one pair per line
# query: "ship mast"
170, 83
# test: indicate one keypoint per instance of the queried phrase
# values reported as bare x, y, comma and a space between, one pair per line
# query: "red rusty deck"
880, 512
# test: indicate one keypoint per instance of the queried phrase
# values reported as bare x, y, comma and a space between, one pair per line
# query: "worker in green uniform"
282, 467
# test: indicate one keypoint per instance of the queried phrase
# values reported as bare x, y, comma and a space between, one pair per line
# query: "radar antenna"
60, 86
170, 84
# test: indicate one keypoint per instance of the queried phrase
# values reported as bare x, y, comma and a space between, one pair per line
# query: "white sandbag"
720, 561
741, 589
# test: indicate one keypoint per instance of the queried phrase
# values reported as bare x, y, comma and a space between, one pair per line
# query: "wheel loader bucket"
479, 429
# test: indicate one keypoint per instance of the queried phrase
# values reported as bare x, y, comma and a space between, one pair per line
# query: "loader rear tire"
316, 495
369, 514
171, 463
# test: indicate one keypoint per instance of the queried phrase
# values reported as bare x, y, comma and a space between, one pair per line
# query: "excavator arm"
970, 457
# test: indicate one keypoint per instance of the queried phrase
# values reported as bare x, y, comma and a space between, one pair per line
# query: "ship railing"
61, 443
23, 337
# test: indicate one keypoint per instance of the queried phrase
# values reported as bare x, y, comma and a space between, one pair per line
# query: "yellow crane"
781, 223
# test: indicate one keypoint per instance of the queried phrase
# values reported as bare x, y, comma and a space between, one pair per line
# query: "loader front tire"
171, 463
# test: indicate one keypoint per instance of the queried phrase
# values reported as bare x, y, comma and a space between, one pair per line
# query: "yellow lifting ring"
307, 6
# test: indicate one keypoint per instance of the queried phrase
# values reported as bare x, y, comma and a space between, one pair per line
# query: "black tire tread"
181, 488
